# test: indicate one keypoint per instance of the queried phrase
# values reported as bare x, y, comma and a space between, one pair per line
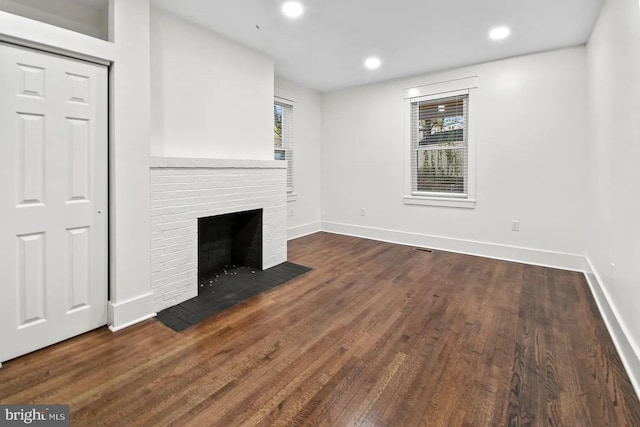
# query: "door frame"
127, 53
35, 47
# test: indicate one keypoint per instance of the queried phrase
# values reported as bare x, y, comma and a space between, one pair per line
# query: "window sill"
292, 197
440, 201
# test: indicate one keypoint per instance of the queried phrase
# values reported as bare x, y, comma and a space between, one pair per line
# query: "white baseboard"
628, 351
127, 313
542, 258
304, 230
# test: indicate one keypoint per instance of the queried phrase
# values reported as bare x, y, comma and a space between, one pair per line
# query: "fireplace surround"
183, 190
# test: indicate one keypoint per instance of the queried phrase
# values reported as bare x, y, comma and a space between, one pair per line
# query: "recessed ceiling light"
292, 9
372, 63
499, 33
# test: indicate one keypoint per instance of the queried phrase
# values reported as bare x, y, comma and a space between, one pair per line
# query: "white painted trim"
438, 95
133, 322
565, 261
196, 163
39, 35
283, 101
284, 95
304, 230
130, 312
450, 202
619, 332
441, 87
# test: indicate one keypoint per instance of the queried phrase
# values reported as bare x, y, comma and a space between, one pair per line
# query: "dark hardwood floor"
376, 335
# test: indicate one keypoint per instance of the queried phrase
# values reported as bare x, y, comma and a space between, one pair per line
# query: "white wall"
530, 115
613, 244
304, 207
210, 97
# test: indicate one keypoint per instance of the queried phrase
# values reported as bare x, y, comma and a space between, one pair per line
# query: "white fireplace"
185, 189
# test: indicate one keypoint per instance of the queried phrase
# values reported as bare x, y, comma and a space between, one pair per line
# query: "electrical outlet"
290, 213
515, 225
362, 211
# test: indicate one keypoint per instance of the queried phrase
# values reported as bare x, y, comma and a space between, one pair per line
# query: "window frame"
432, 92
289, 151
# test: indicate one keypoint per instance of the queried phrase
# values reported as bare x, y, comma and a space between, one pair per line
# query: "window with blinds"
439, 147
283, 138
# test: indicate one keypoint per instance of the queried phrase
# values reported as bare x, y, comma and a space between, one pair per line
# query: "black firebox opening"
229, 239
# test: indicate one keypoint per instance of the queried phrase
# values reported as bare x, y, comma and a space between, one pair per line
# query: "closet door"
53, 199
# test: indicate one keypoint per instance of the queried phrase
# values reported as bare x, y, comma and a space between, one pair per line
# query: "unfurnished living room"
320, 212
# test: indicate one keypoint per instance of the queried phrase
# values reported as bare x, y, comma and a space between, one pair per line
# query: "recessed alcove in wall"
89, 17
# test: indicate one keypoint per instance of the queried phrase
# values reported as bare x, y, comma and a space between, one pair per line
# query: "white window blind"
439, 147
283, 138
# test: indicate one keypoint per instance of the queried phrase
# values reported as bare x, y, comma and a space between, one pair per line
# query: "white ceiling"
325, 48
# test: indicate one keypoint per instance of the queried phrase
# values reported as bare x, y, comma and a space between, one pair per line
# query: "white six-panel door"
53, 199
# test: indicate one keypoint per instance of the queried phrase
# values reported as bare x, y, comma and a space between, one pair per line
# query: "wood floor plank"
376, 334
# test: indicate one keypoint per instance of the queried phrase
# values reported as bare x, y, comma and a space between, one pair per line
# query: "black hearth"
229, 240
226, 291
229, 268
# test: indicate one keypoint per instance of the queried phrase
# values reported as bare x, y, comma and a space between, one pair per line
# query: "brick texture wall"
183, 190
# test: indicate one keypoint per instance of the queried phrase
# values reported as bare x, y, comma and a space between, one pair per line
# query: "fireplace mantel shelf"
199, 163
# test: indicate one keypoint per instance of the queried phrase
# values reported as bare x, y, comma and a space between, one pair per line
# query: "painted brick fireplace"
184, 190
